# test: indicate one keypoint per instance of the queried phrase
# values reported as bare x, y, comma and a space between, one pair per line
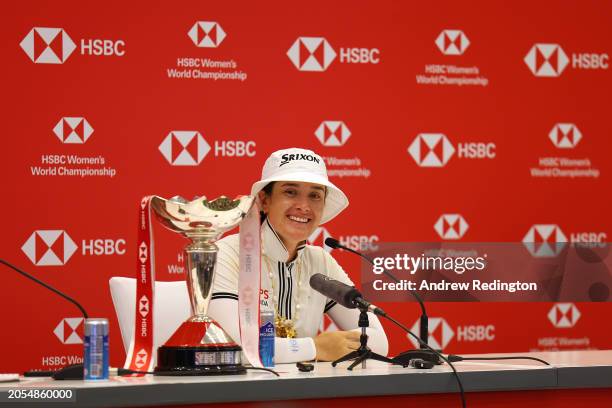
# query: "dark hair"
268, 190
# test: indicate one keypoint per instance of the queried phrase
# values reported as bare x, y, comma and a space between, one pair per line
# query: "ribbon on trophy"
250, 284
140, 356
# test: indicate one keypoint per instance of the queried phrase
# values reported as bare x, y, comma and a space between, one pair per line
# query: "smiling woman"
294, 208
295, 197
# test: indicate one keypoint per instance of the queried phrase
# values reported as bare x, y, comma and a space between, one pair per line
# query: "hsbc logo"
311, 54
143, 306
49, 247
355, 242
435, 150
70, 330
332, 133
56, 247
189, 148
73, 130
184, 148
318, 237
431, 150
439, 333
48, 45
207, 34
248, 295
549, 60
45, 45
451, 226
142, 357
548, 240
564, 315
452, 42
315, 54
546, 60
565, 135
143, 252
248, 242
544, 240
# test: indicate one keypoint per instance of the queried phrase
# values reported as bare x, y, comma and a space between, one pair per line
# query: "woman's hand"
333, 345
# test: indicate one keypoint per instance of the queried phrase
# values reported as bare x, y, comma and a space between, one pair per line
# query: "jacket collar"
273, 246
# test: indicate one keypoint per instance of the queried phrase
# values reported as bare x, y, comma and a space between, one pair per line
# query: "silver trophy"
200, 346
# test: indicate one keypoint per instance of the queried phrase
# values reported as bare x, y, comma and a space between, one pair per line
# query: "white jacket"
293, 296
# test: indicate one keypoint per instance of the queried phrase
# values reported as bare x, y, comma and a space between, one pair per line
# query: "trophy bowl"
200, 346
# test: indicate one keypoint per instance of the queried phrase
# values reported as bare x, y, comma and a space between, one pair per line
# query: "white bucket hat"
302, 165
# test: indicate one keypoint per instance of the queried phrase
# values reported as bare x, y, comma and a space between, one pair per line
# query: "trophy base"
199, 347
176, 361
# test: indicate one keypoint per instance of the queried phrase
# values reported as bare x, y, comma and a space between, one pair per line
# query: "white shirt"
293, 296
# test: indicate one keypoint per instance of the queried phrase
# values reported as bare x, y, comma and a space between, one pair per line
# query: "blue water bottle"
266, 337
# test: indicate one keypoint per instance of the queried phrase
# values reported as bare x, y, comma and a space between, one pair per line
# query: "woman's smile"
299, 220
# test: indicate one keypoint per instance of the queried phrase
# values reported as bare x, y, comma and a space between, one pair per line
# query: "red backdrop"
520, 92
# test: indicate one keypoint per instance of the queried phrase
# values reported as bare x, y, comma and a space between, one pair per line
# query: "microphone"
51, 288
345, 295
424, 320
71, 372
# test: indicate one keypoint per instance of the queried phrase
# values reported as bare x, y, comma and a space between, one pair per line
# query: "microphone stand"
363, 353
422, 352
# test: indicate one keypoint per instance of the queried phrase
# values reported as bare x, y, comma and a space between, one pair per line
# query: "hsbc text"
144, 327
53, 159
476, 150
554, 342
563, 162
234, 148
71, 159
360, 55
102, 47
590, 61
476, 333
589, 237
451, 69
205, 63
103, 247
360, 242
61, 360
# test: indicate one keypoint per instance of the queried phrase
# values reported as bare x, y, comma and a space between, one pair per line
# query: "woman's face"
294, 209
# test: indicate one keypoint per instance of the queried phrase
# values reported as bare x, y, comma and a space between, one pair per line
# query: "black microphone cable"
427, 346
51, 288
452, 358
455, 358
